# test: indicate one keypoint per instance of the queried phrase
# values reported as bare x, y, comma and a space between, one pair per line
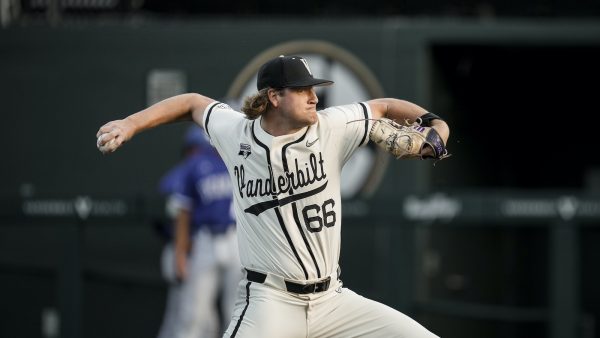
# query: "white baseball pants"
263, 311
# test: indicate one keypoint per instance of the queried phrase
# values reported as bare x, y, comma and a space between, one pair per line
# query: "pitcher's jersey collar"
269, 139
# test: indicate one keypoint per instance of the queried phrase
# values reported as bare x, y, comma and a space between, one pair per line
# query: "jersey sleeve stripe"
366, 113
207, 116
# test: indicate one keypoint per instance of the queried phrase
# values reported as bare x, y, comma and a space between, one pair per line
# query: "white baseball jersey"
287, 188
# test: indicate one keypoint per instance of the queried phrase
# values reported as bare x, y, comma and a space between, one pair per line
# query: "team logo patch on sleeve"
223, 106
244, 150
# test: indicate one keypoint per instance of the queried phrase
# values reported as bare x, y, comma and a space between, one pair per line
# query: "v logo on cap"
306, 65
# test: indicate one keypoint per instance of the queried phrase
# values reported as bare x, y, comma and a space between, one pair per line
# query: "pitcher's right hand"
114, 134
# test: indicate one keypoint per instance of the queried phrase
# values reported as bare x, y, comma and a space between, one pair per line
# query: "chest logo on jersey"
293, 179
309, 144
244, 150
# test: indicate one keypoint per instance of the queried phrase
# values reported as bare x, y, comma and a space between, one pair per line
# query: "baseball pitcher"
284, 160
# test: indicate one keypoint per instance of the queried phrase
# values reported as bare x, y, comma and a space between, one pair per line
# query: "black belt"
303, 289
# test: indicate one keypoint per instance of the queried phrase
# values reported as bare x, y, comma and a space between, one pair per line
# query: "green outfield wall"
481, 244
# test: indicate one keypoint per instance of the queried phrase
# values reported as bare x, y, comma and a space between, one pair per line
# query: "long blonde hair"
257, 104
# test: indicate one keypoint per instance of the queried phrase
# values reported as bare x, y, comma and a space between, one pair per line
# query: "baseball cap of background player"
195, 137
287, 71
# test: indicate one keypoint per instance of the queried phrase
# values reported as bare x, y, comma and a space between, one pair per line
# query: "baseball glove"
407, 141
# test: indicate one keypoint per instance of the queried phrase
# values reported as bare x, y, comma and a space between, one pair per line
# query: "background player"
202, 258
285, 161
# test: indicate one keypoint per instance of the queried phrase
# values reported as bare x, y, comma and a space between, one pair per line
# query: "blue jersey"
205, 189
172, 181
169, 185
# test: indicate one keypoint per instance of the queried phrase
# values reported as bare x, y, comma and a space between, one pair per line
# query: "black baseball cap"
287, 71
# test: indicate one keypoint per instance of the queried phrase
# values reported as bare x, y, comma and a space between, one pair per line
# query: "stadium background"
498, 241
